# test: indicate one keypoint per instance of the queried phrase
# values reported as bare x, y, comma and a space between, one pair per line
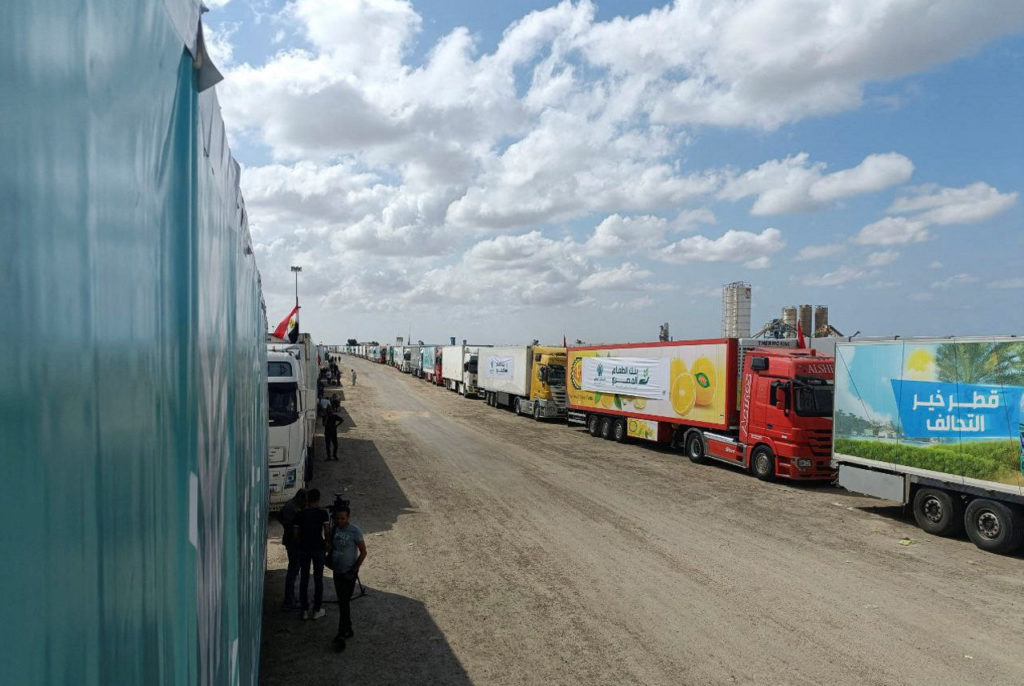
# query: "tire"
606, 428
515, 407
695, 448
594, 425
938, 512
619, 434
536, 412
762, 463
993, 526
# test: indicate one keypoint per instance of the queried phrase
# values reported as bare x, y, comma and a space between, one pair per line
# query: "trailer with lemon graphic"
657, 384
739, 401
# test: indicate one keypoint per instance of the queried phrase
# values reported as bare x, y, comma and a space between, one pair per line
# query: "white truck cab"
286, 437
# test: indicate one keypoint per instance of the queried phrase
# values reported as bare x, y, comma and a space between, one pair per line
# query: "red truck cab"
785, 426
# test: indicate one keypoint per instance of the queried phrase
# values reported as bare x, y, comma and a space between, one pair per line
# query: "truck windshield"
279, 368
813, 397
471, 366
556, 375
284, 407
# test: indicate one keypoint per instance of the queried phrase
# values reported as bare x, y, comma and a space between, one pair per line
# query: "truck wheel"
536, 412
515, 407
762, 463
993, 526
938, 512
695, 447
594, 425
606, 428
619, 431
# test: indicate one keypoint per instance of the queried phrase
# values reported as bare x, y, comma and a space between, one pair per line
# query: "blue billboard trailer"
936, 423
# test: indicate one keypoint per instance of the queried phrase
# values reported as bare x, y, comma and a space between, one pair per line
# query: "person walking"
348, 550
291, 545
311, 529
353, 377
331, 423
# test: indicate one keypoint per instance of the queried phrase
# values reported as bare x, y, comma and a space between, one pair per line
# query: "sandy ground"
507, 551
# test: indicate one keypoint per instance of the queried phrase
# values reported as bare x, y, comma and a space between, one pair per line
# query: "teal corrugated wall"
132, 379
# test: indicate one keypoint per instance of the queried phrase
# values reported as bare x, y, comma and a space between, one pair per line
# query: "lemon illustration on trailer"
676, 368
607, 400
704, 376
639, 403
683, 393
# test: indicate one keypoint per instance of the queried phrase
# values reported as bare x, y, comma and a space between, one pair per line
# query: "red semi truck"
760, 404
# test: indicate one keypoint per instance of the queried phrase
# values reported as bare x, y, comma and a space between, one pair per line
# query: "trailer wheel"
938, 512
993, 526
594, 425
619, 434
606, 428
695, 447
762, 463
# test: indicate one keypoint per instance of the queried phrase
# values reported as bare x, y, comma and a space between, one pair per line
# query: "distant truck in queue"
936, 424
762, 405
459, 369
528, 379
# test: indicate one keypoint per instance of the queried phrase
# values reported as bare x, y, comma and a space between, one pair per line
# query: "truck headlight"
289, 478
804, 463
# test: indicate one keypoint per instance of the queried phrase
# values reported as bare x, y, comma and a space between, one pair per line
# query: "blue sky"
508, 171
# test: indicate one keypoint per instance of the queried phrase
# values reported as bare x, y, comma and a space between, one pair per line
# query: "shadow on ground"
396, 642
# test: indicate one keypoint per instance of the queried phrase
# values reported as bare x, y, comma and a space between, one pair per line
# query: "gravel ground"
507, 551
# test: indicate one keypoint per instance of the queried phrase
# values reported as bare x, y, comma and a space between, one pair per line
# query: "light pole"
296, 270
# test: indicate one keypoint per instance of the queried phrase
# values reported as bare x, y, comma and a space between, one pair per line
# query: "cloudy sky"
503, 171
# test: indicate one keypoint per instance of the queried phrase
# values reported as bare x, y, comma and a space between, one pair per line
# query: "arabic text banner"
932, 409
630, 376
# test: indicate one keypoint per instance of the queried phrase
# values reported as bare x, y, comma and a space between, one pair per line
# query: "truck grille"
559, 396
820, 441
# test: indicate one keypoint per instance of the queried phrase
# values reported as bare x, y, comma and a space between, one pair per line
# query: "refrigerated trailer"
528, 379
936, 424
459, 369
762, 405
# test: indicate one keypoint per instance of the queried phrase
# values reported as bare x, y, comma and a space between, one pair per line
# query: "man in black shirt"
290, 542
311, 530
331, 423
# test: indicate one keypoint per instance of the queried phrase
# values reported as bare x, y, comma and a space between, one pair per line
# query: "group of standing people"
313, 538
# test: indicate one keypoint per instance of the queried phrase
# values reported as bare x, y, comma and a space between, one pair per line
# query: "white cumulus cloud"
795, 184
892, 231
974, 203
755, 249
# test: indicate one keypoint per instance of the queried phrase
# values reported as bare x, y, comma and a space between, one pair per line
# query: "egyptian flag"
289, 326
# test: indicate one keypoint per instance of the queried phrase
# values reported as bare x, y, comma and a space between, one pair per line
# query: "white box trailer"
459, 368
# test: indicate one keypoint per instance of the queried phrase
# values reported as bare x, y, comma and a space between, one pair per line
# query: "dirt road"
506, 551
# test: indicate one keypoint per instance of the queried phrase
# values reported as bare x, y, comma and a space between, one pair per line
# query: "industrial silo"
736, 310
804, 316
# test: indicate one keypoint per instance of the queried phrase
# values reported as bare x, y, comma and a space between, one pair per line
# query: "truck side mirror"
542, 373
759, 364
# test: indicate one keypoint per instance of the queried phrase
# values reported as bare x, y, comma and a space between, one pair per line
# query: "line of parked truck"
931, 423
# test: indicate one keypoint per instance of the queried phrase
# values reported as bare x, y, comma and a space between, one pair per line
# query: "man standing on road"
311, 528
331, 423
348, 550
353, 377
291, 545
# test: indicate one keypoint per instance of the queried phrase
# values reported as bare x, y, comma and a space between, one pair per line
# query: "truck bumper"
798, 469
